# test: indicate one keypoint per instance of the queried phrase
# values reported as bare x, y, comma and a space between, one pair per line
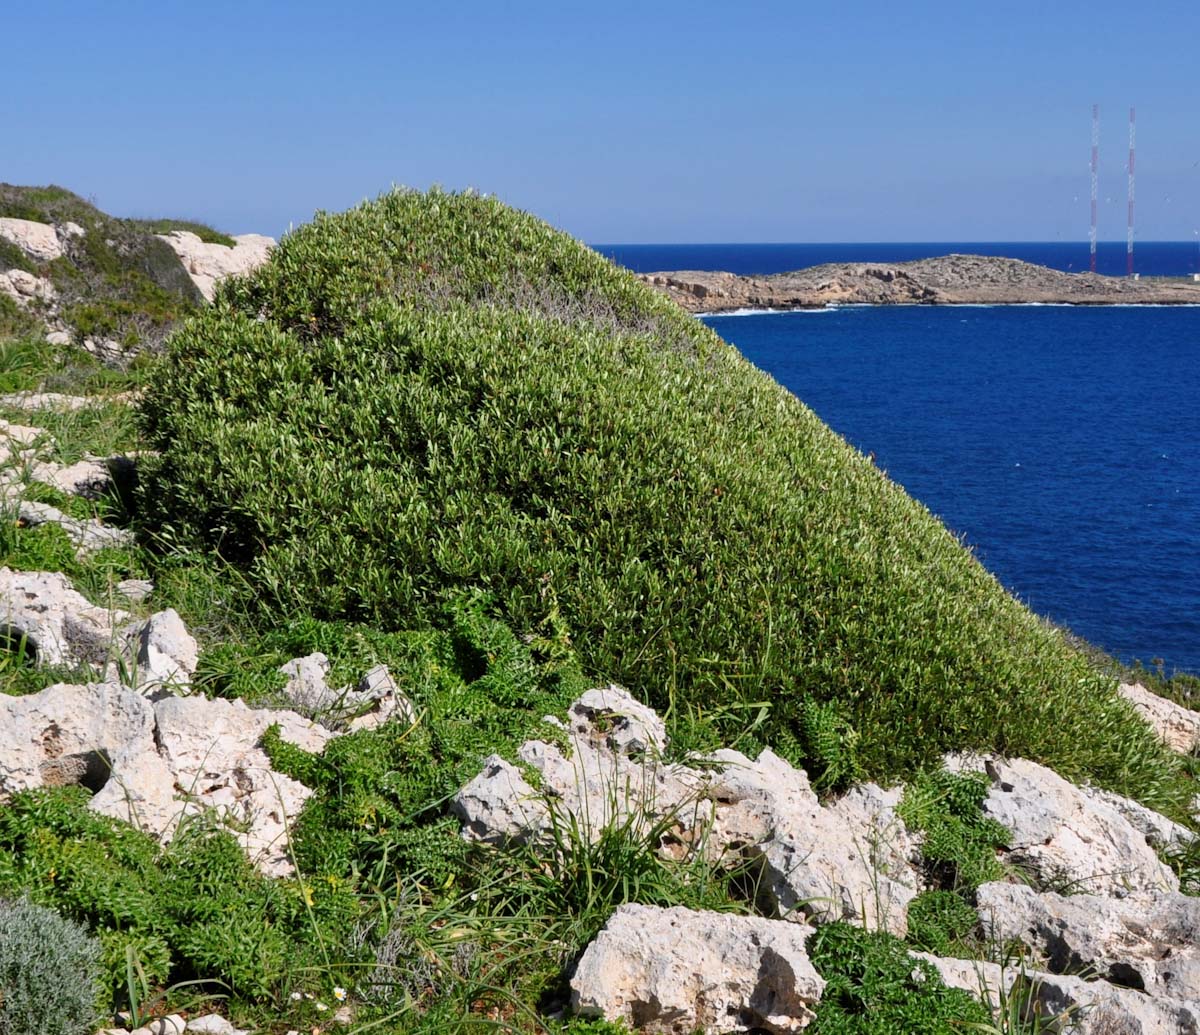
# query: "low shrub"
960, 843
941, 922
432, 392
49, 972
874, 987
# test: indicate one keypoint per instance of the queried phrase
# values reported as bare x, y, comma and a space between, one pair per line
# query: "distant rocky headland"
948, 280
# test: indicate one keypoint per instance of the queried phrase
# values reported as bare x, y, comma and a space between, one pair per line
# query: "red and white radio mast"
1129, 228
1095, 180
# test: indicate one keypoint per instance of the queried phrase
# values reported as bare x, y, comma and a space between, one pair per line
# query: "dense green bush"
49, 972
941, 922
433, 391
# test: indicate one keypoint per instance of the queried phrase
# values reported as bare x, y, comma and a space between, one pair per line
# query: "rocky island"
947, 280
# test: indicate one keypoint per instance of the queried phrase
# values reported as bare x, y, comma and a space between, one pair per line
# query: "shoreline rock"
947, 280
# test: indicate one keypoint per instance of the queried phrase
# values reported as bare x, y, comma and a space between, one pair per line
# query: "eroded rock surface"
37, 240
1063, 1004
678, 971
208, 264
376, 700
851, 860
1063, 836
1178, 727
56, 623
1149, 941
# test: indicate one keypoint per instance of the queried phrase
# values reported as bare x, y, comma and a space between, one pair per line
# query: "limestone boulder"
56, 623
211, 749
164, 652
27, 289
1062, 836
1149, 941
39, 241
1067, 1005
376, 700
70, 734
1177, 727
678, 971
851, 859
87, 535
209, 264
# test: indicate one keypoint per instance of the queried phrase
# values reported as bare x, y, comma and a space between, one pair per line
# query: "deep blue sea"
1062, 442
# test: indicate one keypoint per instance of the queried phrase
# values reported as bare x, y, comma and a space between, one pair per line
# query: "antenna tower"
1129, 226
1095, 181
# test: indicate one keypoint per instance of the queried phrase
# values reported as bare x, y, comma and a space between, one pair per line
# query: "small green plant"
49, 972
943, 923
874, 987
960, 843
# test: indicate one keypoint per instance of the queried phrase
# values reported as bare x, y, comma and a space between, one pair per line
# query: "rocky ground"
949, 280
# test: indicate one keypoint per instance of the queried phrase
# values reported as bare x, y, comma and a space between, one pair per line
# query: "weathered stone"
376, 700
677, 971
1062, 1004
1160, 832
172, 1024
135, 590
209, 761
209, 264
499, 806
89, 477
59, 402
1176, 726
1149, 941
165, 653
69, 734
210, 1024
852, 860
1064, 837
25, 288
57, 624
86, 534
37, 240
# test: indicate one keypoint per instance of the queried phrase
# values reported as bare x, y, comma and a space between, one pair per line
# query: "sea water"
1062, 443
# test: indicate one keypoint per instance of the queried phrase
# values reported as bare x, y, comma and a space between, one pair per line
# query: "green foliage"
202, 230
116, 280
433, 392
194, 910
15, 322
380, 798
941, 922
960, 842
49, 972
874, 987
13, 258
828, 745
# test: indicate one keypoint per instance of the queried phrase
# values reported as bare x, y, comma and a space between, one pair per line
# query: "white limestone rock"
498, 806
1065, 837
57, 623
851, 860
1065, 1004
375, 701
678, 971
209, 264
87, 535
209, 750
164, 652
27, 289
1149, 941
37, 240
70, 734
1177, 727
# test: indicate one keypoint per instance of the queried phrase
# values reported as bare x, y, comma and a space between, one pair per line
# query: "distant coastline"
946, 280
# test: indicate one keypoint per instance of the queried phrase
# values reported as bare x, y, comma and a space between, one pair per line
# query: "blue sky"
620, 122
